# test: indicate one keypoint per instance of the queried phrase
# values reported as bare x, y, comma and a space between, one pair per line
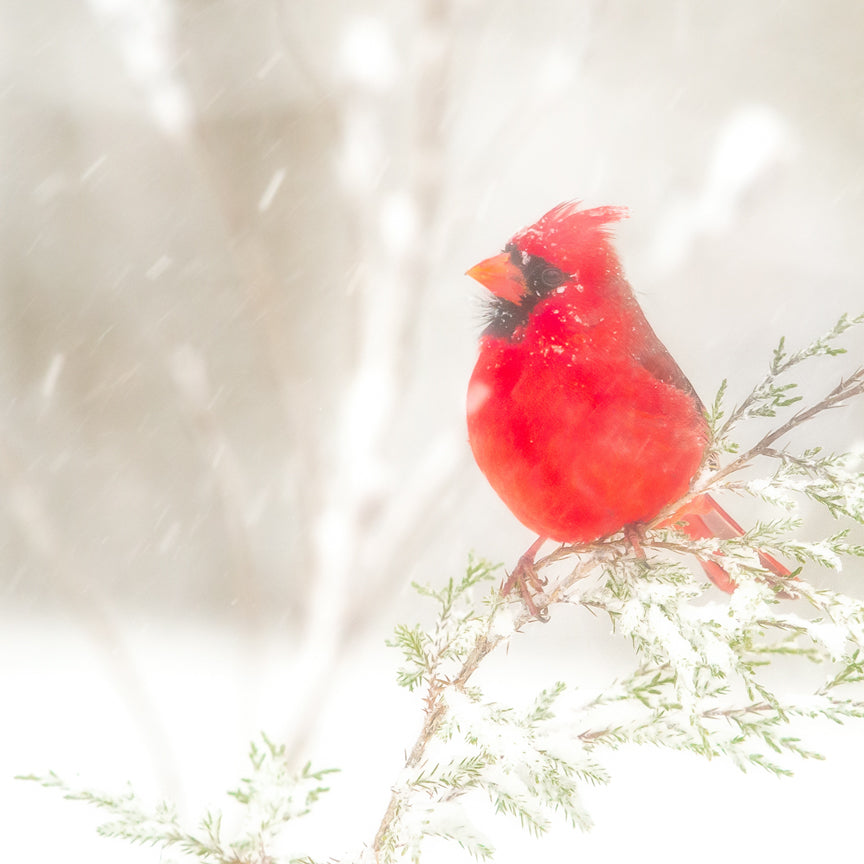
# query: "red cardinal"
577, 414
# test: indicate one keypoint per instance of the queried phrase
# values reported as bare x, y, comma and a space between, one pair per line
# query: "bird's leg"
634, 534
526, 577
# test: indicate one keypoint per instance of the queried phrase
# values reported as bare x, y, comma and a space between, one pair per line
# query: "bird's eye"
552, 277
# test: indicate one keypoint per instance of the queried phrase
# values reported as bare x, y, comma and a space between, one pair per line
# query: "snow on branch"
272, 796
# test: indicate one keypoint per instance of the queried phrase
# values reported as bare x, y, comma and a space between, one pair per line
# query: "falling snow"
237, 339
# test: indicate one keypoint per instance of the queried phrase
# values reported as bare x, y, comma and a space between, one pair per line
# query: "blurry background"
235, 338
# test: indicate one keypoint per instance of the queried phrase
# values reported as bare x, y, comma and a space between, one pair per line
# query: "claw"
634, 534
529, 581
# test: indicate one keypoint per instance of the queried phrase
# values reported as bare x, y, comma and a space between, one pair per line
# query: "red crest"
574, 240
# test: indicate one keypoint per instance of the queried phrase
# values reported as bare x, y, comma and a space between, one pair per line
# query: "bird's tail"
703, 518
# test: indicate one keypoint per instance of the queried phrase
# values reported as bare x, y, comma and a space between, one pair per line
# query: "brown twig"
783, 363
436, 710
485, 644
852, 386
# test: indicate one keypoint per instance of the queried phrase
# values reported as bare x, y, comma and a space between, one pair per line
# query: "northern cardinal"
577, 414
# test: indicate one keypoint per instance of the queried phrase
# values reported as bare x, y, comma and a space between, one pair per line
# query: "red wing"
652, 356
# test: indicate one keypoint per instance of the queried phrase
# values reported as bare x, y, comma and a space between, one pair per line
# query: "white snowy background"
234, 343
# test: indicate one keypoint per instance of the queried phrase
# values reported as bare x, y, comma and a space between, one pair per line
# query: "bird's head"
567, 247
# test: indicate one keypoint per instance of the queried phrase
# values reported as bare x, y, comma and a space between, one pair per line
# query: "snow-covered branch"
700, 680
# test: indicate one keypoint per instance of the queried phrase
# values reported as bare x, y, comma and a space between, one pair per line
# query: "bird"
578, 415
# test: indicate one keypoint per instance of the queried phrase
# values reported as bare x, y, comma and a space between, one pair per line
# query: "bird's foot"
529, 582
634, 534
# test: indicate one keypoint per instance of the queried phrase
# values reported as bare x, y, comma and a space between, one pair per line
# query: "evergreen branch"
499, 624
831, 481
845, 390
272, 796
767, 396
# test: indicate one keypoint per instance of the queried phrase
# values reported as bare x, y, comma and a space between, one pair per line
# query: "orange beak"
501, 276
